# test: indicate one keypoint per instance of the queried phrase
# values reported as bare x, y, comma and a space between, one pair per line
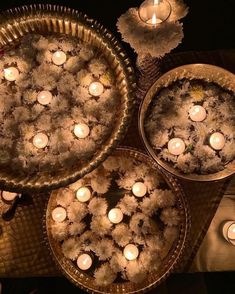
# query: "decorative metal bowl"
173, 258
52, 19
205, 72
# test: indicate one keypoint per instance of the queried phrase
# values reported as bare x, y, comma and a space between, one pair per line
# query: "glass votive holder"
154, 12
228, 230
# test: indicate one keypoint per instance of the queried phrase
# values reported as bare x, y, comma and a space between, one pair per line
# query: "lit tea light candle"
96, 89
176, 146
8, 196
59, 214
11, 74
44, 97
84, 261
40, 140
197, 113
131, 252
154, 20
154, 12
115, 215
217, 141
229, 231
83, 194
59, 58
81, 131
139, 189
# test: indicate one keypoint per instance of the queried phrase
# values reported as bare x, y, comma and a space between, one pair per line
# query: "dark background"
210, 25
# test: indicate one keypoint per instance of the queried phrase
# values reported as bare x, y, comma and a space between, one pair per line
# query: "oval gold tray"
87, 282
52, 19
206, 72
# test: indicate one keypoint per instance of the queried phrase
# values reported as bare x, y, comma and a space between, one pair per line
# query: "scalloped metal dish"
206, 72
50, 19
85, 281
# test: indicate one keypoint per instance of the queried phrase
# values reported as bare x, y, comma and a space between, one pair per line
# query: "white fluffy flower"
122, 234
128, 204
171, 234
71, 248
77, 211
76, 228
141, 224
100, 184
98, 206
101, 225
170, 216
118, 262
104, 249
59, 231
149, 205
111, 164
163, 198
104, 275
65, 197
88, 241
145, 40
135, 272
150, 260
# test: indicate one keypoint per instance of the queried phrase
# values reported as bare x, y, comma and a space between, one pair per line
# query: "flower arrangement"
71, 102
149, 222
169, 117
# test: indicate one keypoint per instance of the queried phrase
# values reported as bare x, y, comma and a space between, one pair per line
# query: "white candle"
59, 58
59, 214
96, 89
217, 141
40, 140
131, 252
115, 215
154, 20
84, 261
139, 189
83, 194
197, 113
176, 146
11, 74
154, 12
229, 231
81, 131
8, 196
44, 97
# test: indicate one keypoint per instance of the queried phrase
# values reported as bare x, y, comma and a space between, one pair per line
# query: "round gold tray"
52, 19
206, 72
87, 282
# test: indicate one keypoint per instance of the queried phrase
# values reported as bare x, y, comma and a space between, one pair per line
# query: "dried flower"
98, 206
128, 204
101, 225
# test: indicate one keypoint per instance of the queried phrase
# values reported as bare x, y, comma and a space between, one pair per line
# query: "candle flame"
154, 19
155, 2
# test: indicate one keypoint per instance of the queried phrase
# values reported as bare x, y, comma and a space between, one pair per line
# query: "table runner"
23, 252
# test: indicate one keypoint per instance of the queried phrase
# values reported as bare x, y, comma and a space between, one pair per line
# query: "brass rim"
206, 72
86, 282
17, 22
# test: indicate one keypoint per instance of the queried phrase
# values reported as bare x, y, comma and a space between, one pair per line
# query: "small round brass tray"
53, 19
206, 72
87, 282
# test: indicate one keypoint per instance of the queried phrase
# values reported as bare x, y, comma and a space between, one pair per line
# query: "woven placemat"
22, 249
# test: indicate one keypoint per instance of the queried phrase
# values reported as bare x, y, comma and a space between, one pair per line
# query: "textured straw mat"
22, 249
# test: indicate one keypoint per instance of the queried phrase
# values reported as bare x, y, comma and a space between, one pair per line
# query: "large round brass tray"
206, 72
87, 282
52, 19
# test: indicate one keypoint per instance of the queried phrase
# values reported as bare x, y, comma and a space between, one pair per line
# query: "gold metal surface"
206, 72
87, 282
53, 19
